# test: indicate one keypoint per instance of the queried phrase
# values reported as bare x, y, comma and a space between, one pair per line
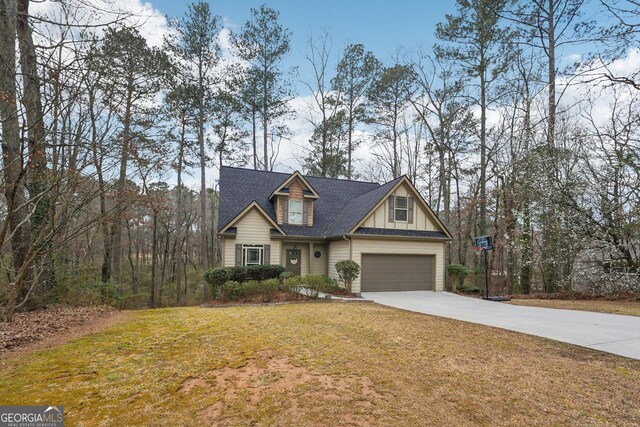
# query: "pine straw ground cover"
321, 364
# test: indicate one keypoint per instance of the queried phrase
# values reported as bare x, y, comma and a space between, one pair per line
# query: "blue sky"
382, 26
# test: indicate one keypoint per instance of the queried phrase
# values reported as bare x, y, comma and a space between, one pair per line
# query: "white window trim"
300, 211
245, 254
396, 209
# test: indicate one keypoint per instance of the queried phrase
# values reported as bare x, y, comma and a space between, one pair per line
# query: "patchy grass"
313, 364
629, 308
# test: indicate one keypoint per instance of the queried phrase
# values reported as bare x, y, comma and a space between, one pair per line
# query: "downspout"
350, 252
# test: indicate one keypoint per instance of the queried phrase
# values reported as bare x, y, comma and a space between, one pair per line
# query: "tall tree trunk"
118, 217
12, 169
350, 142
37, 164
550, 241
154, 261
483, 153
265, 121
254, 129
204, 243
134, 267
526, 260
179, 219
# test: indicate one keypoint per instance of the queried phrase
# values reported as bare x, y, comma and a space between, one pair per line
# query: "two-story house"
307, 224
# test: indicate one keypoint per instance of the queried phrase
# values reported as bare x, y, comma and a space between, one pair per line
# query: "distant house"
307, 224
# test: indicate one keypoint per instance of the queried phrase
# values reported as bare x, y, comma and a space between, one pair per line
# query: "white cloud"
151, 23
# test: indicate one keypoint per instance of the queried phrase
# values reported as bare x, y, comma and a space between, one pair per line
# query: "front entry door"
293, 261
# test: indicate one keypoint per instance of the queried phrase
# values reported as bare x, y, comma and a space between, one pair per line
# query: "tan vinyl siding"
318, 265
390, 246
228, 252
338, 250
253, 229
421, 217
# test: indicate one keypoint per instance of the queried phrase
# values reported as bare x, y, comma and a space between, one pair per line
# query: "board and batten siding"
389, 246
338, 250
421, 218
253, 229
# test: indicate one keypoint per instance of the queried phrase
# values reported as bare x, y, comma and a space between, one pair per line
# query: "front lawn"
629, 308
321, 364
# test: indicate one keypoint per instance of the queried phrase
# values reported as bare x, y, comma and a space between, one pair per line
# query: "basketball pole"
486, 274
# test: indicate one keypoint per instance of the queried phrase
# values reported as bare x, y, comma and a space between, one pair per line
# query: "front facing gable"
419, 216
254, 215
297, 181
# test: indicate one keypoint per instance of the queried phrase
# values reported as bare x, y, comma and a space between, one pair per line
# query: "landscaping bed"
266, 284
342, 293
279, 296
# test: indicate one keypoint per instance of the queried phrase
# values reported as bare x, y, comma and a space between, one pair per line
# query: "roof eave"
398, 236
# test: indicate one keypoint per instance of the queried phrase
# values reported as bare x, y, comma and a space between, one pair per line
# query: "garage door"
385, 272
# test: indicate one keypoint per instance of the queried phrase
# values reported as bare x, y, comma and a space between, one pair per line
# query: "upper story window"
401, 210
295, 211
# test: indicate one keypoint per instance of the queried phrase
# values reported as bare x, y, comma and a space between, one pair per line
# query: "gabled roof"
250, 206
397, 182
240, 187
358, 208
312, 193
340, 208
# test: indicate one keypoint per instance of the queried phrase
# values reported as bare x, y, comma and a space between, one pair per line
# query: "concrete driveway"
612, 333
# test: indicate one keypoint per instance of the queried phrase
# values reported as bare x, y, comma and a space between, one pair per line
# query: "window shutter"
305, 212
266, 254
238, 254
285, 210
391, 210
410, 209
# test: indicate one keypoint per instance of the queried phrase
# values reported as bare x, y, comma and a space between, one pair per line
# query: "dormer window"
295, 211
401, 209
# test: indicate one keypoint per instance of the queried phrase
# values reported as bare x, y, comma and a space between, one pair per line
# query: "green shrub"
217, 277
283, 278
348, 271
292, 286
269, 288
315, 283
457, 273
264, 272
232, 291
251, 288
330, 286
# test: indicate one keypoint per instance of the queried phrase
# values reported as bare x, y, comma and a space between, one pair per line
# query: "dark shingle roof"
392, 232
357, 208
240, 187
341, 206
